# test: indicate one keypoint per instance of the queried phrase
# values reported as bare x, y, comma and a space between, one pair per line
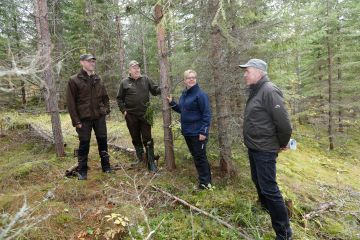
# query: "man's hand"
125, 112
169, 98
283, 149
79, 125
202, 137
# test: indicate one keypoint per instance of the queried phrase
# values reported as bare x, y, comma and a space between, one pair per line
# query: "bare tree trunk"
222, 113
330, 94
339, 80
165, 87
51, 99
143, 47
89, 13
120, 37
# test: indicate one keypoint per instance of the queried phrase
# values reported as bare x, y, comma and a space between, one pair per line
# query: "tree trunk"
50, 94
120, 43
339, 80
144, 52
330, 95
165, 87
222, 113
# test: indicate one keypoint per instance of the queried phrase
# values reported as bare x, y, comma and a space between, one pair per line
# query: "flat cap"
255, 63
85, 57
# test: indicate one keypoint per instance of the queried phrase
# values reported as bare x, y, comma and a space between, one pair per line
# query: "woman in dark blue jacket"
195, 114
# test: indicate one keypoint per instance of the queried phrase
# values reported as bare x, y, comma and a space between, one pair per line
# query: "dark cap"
85, 57
255, 63
133, 63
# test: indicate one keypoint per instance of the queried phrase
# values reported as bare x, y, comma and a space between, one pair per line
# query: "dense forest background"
312, 49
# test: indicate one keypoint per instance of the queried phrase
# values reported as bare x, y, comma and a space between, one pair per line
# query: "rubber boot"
104, 156
150, 156
83, 152
82, 166
139, 156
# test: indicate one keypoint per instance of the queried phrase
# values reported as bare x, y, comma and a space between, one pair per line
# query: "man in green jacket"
88, 104
266, 131
133, 99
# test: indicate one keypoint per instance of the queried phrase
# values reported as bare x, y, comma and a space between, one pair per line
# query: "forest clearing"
308, 52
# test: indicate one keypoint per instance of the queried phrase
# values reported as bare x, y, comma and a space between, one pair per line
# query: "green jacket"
86, 97
134, 95
266, 122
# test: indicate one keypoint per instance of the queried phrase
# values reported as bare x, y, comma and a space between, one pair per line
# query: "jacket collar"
192, 89
255, 87
132, 79
85, 76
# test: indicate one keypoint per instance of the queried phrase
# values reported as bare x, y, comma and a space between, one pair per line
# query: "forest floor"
38, 202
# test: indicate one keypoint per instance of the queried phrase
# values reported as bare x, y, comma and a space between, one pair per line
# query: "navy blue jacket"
194, 107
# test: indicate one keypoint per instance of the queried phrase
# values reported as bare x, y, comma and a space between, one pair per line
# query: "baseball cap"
85, 57
133, 63
255, 63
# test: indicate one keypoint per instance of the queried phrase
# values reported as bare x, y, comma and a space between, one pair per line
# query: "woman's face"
190, 80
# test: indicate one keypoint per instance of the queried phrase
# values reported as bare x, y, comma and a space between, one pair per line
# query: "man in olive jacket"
88, 104
133, 99
266, 131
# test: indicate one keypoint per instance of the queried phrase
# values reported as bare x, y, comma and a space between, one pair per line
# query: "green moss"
63, 218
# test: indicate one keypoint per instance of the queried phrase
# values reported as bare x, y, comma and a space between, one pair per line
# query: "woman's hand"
202, 137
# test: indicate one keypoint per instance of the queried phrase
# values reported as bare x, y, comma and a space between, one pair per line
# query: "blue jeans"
198, 151
263, 174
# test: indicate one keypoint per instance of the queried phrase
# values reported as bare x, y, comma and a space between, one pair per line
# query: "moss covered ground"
125, 206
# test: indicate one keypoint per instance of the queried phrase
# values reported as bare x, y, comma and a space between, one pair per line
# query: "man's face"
252, 75
190, 80
135, 72
88, 65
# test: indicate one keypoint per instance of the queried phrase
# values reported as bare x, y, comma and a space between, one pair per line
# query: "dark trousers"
197, 149
139, 128
84, 134
263, 173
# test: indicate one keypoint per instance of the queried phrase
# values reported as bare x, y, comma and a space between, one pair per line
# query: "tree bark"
50, 94
330, 94
222, 113
143, 47
165, 87
120, 43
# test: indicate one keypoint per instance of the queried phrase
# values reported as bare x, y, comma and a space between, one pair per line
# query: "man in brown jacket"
133, 99
88, 104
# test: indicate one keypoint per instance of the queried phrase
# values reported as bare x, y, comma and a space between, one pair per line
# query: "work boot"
150, 156
139, 156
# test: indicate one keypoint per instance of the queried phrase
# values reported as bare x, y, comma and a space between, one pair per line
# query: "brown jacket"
86, 97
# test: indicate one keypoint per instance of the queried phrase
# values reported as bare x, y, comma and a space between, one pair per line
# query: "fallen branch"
183, 202
121, 148
43, 134
72, 171
323, 208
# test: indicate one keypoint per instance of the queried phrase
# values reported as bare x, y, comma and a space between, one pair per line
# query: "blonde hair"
187, 72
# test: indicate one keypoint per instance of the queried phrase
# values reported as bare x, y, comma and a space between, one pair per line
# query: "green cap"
133, 63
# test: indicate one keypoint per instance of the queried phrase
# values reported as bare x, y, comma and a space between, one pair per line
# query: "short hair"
187, 72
